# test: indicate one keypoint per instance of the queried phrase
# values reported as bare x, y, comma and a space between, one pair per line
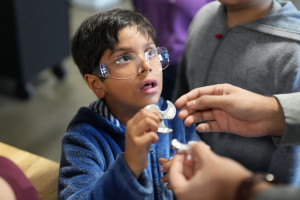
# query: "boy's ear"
95, 84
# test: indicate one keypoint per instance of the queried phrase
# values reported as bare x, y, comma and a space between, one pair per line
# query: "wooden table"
42, 172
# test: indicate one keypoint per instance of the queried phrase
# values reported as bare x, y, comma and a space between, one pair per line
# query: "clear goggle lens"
130, 65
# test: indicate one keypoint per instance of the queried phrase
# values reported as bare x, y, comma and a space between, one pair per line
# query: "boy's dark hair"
100, 32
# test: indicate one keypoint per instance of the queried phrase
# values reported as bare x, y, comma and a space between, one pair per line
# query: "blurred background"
39, 98
35, 117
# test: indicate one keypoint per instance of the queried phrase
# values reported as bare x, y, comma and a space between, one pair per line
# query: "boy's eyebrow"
119, 50
130, 49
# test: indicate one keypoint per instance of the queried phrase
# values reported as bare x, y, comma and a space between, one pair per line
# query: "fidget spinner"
179, 147
183, 148
169, 113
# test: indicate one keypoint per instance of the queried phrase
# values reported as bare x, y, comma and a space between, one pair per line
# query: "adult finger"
208, 102
177, 178
199, 117
194, 94
200, 151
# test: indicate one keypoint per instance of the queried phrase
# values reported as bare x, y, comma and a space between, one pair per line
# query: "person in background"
228, 108
112, 149
171, 19
14, 185
254, 45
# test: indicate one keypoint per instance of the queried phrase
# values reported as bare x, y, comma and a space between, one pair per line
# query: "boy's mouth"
149, 86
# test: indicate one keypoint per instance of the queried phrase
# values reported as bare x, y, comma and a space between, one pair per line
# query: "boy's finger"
165, 178
149, 137
146, 125
151, 112
146, 114
166, 166
169, 186
162, 161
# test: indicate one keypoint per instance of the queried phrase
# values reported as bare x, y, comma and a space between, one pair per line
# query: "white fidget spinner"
179, 147
182, 148
169, 113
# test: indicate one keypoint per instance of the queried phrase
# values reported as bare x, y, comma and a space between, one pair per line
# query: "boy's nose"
145, 66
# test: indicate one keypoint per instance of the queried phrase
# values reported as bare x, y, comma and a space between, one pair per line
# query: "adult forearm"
278, 192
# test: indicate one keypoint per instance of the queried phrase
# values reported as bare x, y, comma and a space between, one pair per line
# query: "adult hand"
226, 108
215, 177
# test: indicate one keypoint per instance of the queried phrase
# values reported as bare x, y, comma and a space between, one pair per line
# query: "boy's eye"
124, 58
151, 52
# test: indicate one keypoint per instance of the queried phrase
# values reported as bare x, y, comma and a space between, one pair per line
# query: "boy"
171, 22
254, 45
116, 53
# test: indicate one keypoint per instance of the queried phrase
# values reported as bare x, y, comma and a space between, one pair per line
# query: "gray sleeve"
290, 104
279, 192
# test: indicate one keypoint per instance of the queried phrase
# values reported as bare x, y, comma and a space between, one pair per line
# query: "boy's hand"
165, 169
140, 134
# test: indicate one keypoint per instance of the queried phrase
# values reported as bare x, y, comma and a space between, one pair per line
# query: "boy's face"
134, 93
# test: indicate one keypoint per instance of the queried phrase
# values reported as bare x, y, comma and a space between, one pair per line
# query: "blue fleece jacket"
93, 166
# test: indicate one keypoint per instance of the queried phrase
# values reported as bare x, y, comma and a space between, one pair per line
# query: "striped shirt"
100, 107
